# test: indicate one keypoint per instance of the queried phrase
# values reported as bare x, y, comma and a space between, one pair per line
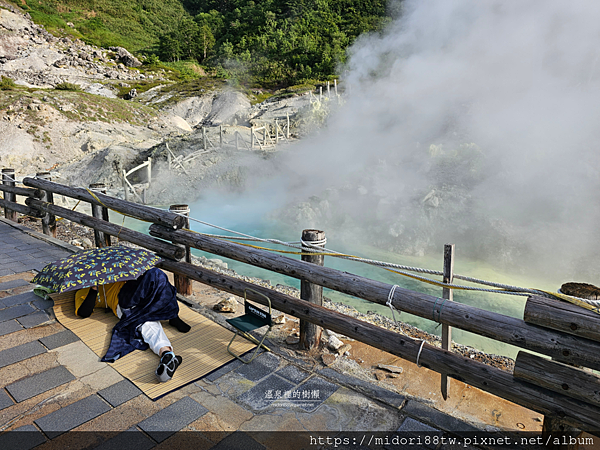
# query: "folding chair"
253, 318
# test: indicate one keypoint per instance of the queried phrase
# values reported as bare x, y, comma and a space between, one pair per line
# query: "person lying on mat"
140, 305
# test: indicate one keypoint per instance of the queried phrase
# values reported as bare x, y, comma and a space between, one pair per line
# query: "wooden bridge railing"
557, 388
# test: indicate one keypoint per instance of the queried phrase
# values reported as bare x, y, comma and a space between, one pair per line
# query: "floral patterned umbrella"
96, 266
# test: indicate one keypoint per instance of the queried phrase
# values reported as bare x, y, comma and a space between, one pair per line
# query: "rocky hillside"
85, 113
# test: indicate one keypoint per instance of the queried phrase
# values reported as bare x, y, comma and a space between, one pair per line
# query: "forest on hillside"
271, 41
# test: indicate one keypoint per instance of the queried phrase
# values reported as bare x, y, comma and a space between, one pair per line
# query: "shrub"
67, 87
152, 60
7, 83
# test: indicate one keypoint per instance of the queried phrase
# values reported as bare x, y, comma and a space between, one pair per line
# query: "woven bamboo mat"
203, 348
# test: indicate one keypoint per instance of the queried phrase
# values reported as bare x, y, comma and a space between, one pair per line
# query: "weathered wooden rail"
555, 388
510, 330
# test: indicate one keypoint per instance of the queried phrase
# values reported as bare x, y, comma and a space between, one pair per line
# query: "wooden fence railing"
560, 387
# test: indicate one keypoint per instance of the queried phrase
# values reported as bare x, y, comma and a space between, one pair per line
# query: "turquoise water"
508, 305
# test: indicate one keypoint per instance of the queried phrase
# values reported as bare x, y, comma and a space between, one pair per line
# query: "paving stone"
43, 304
16, 266
173, 418
22, 257
59, 339
132, 439
20, 299
238, 439
413, 428
9, 326
262, 366
223, 370
69, 417
24, 245
386, 396
266, 392
440, 419
15, 312
119, 393
412, 425
30, 387
4, 272
40, 266
33, 320
12, 284
293, 374
313, 392
20, 353
8, 239
5, 400
22, 438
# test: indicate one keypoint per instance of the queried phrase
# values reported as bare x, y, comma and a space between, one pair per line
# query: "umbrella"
96, 266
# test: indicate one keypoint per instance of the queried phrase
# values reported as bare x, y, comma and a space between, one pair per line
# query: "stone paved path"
54, 391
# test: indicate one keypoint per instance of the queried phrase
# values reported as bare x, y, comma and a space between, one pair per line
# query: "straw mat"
203, 348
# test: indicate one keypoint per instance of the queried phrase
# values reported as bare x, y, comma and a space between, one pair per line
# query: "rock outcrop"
125, 57
33, 57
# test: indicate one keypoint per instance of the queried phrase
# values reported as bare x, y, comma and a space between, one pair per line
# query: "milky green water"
504, 304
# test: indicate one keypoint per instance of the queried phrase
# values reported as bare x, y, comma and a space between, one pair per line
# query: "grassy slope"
133, 24
78, 106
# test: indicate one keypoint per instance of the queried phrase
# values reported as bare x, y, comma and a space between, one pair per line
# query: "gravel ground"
83, 236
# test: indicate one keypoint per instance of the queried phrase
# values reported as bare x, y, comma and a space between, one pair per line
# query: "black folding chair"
253, 319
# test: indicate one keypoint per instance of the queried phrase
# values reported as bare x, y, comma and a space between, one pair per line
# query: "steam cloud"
473, 122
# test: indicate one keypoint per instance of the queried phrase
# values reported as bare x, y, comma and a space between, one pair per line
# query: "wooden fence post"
182, 283
49, 220
100, 212
310, 334
447, 296
553, 427
149, 177
125, 187
220, 135
8, 178
288, 126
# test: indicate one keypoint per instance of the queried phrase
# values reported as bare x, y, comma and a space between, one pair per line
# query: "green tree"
206, 40
169, 48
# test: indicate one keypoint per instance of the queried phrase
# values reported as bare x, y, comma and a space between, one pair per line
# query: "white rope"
419, 354
5, 176
309, 246
587, 300
314, 244
389, 302
319, 247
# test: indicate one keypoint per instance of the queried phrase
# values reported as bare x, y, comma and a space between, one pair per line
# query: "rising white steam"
473, 122
467, 121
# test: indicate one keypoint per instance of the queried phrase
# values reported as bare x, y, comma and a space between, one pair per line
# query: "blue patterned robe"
147, 299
